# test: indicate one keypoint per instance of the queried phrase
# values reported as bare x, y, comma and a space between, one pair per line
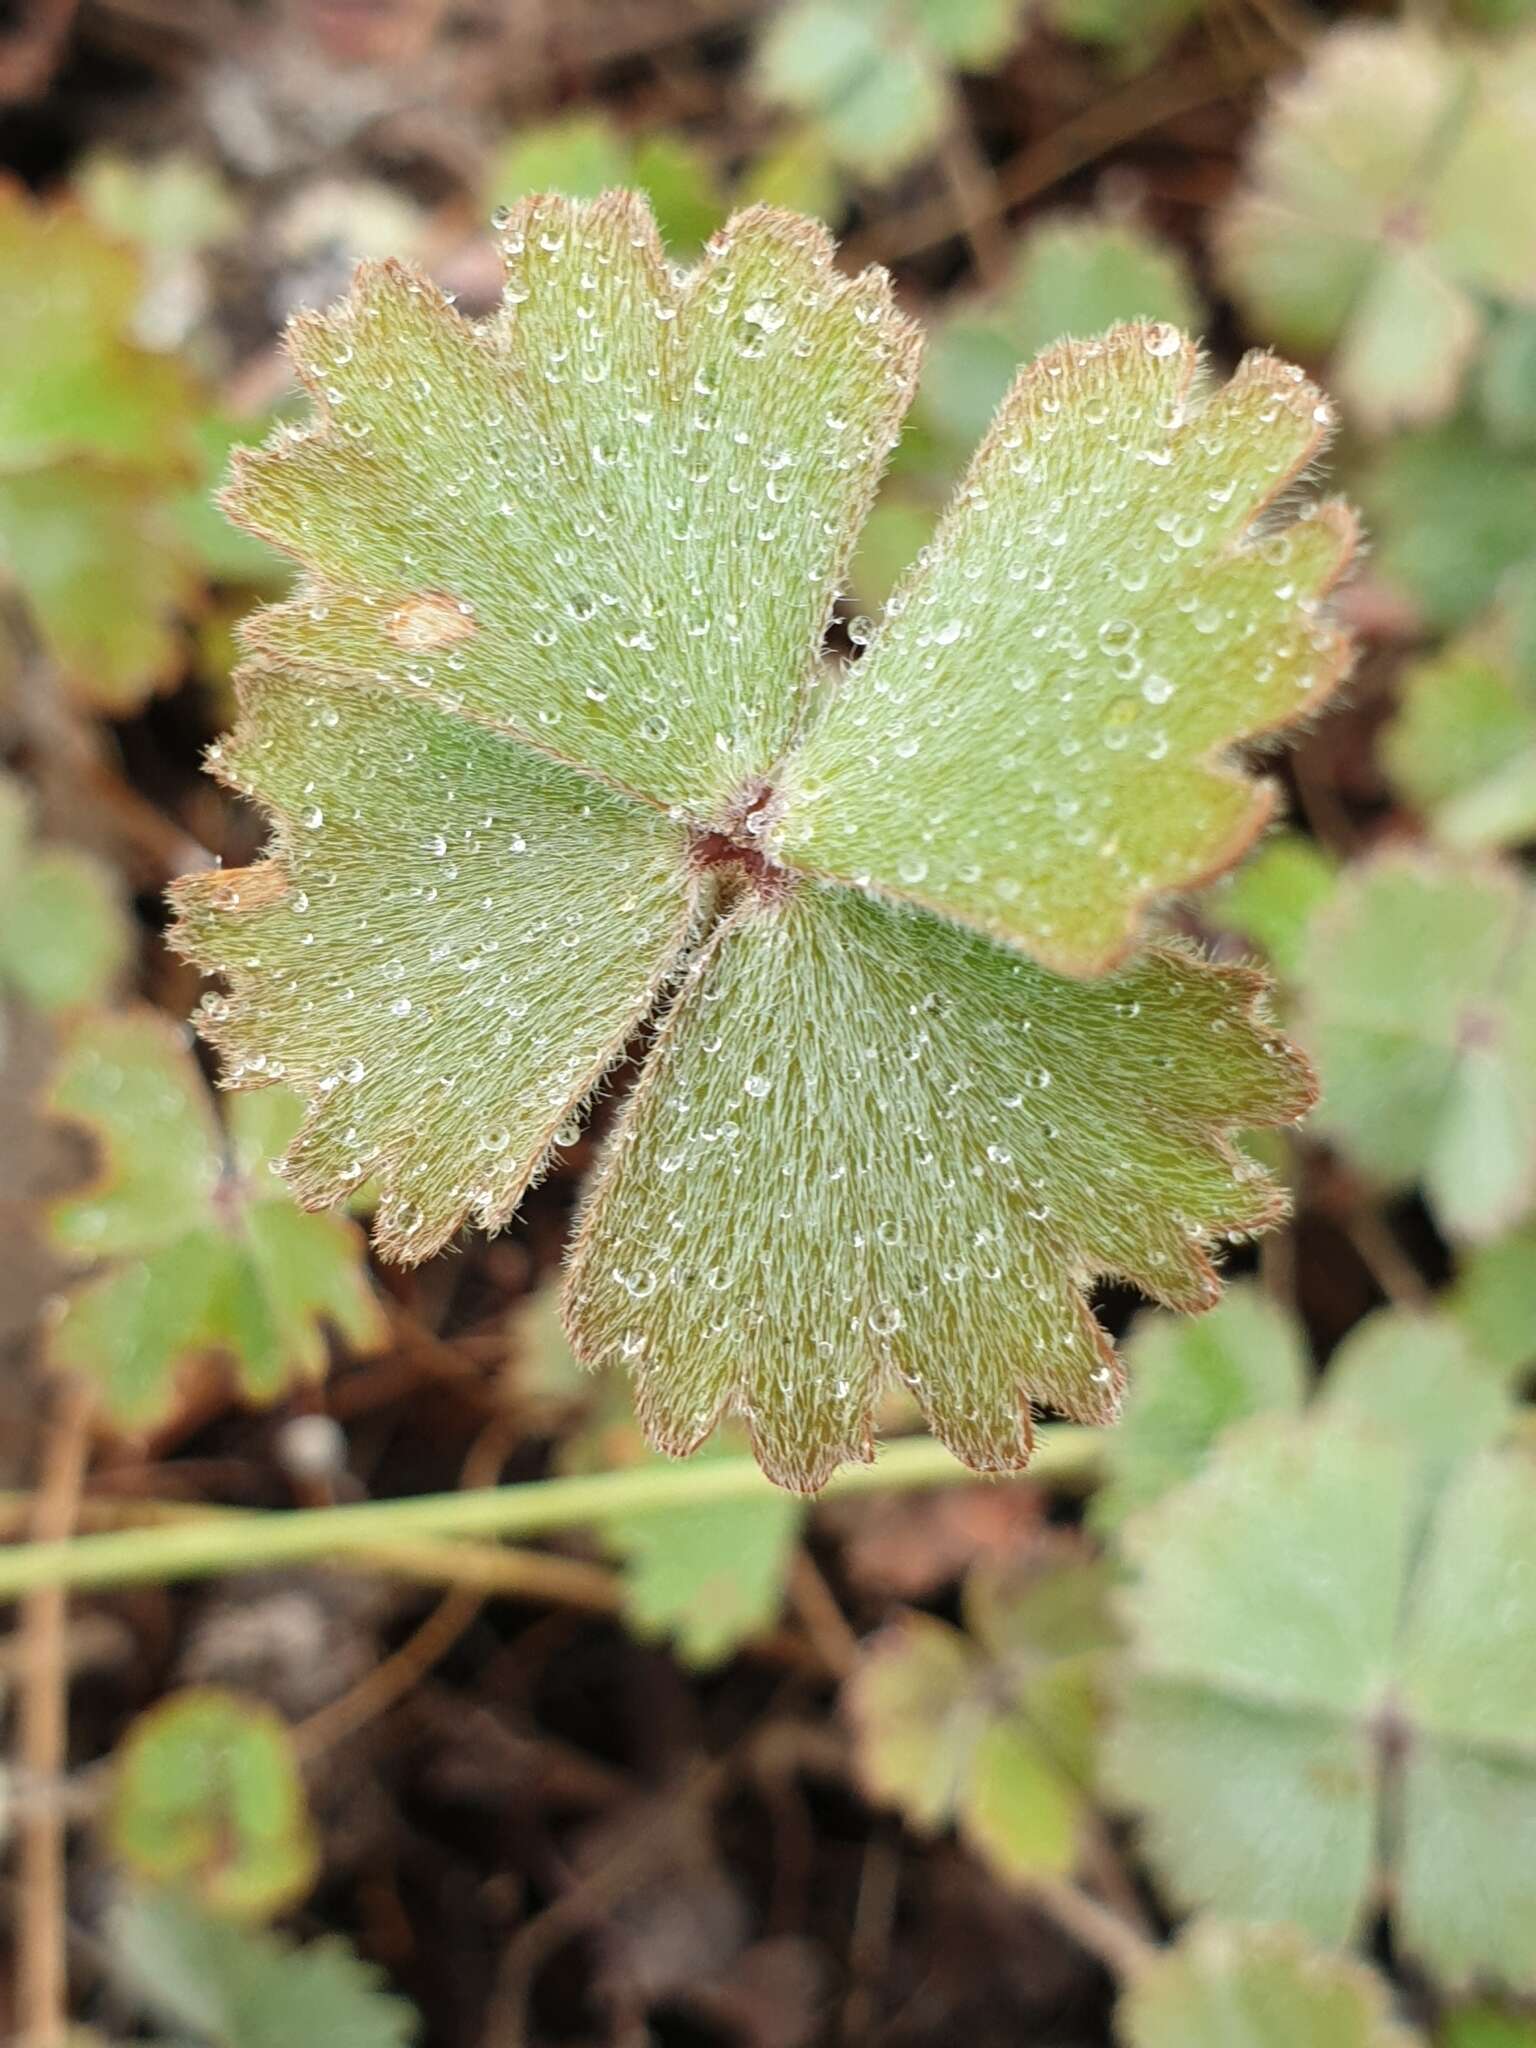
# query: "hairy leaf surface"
538, 735
613, 519
1039, 737
870, 1144
447, 947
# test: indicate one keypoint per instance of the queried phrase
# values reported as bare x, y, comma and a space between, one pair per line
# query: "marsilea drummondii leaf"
552, 756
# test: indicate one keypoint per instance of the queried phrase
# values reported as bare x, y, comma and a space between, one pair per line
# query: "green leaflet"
201, 1252
1454, 513
454, 945
95, 433
1256, 1987
239, 1987
63, 937
1392, 189
1463, 744
1430, 1077
1191, 1381
870, 1144
207, 1794
613, 519
545, 713
1297, 1732
1037, 740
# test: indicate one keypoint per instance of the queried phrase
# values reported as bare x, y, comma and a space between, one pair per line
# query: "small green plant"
95, 440
198, 1252
1391, 196
207, 1796
553, 757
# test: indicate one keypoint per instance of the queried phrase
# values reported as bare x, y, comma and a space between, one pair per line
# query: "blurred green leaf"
584, 155
1494, 1300
1462, 747
990, 1729
72, 381
1418, 1378
64, 938
1507, 381
1484, 2026
1273, 897
203, 1253
1132, 31
867, 73
1300, 1656
1189, 1380
95, 431
1391, 189
95, 554
1450, 514
796, 171
1256, 1987
207, 1795
238, 1987
1430, 1076
175, 203
708, 1577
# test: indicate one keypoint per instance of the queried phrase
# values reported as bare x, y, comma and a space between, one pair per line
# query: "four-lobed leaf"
991, 1729
1430, 1077
1298, 1733
202, 1253
1392, 191
549, 749
207, 1796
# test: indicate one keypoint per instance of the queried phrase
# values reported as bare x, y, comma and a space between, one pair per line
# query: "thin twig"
208, 1545
42, 2008
1118, 1946
823, 1620
1386, 1261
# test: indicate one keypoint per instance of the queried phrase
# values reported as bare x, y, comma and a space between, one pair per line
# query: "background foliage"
1215, 1730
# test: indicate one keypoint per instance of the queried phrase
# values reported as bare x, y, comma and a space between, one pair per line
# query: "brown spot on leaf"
429, 621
